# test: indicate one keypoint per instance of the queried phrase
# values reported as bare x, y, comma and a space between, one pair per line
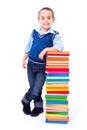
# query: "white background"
17, 19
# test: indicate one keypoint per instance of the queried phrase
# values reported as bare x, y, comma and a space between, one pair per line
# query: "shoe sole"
34, 115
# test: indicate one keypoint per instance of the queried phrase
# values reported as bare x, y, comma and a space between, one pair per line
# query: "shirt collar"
49, 31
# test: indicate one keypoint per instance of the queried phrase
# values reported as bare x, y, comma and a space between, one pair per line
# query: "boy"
42, 39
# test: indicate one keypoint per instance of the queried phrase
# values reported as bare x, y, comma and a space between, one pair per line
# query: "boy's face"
46, 19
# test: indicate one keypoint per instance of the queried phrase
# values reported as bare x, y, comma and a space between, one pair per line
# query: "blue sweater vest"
39, 43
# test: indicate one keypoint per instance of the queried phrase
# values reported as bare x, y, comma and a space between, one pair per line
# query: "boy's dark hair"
46, 8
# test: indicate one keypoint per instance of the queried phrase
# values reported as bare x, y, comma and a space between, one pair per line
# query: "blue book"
56, 122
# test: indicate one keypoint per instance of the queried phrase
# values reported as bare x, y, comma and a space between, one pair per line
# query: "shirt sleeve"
29, 44
57, 43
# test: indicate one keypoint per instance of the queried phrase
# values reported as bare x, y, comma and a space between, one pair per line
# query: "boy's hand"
41, 55
24, 64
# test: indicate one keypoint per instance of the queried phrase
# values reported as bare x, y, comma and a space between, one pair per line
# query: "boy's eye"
42, 18
49, 17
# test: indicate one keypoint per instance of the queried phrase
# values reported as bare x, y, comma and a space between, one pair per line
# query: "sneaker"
36, 111
26, 108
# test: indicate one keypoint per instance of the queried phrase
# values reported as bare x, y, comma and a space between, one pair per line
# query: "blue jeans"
36, 77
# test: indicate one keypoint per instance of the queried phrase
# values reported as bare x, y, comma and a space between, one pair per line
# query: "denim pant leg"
38, 102
31, 79
37, 89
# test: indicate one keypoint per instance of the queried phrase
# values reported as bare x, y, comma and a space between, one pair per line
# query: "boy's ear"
53, 19
38, 20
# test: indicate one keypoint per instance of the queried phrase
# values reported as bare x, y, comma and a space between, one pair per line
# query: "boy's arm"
41, 55
57, 46
27, 49
24, 64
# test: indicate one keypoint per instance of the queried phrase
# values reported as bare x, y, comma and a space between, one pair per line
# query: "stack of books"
57, 87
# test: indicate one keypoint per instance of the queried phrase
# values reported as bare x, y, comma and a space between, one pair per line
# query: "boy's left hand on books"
42, 53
